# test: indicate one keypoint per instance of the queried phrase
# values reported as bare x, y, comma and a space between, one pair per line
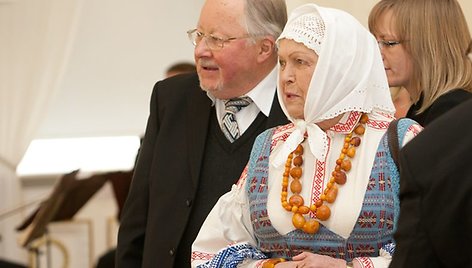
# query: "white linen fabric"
348, 75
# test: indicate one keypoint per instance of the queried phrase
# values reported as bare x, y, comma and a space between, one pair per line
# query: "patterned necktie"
229, 126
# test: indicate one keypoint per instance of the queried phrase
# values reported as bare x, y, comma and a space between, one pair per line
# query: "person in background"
321, 191
435, 224
425, 46
201, 129
180, 68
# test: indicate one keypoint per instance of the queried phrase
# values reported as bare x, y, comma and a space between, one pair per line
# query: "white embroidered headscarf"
349, 75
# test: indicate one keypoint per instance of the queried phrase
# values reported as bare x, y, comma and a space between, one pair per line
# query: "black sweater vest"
222, 165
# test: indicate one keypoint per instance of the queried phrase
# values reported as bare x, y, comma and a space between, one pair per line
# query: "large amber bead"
356, 141
296, 186
346, 165
359, 130
298, 161
351, 152
303, 209
331, 195
299, 150
298, 220
296, 172
340, 177
311, 227
323, 213
296, 200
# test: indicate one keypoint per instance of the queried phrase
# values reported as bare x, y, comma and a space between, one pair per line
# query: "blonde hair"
436, 35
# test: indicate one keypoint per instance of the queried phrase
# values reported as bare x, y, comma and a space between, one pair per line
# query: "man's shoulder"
179, 87
182, 82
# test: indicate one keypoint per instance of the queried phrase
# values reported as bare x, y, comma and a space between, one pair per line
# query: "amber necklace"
322, 212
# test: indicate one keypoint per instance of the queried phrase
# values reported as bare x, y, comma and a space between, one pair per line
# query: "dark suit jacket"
167, 172
435, 224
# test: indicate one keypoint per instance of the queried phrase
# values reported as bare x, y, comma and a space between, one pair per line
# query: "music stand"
67, 198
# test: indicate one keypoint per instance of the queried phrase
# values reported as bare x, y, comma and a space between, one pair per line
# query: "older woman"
323, 190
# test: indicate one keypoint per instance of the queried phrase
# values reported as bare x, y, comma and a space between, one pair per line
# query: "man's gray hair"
265, 17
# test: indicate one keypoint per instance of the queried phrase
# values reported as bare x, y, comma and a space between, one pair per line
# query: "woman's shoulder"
452, 98
446, 102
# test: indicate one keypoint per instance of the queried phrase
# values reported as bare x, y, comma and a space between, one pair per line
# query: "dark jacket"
435, 224
440, 106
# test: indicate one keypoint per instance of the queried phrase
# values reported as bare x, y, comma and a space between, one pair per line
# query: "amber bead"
296, 186
303, 209
311, 227
323, 212
346, 165
359, 130
296, 200
318, 203
298, 161
296, 172
340, 177
356, 141
286, 205
364, 118
351, 152
331, 196
299, 150
313, 207
298, 220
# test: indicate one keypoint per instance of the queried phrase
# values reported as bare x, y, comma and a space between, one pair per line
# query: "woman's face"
397, 61
297, 64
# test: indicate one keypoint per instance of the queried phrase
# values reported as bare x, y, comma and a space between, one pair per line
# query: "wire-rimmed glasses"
213, 42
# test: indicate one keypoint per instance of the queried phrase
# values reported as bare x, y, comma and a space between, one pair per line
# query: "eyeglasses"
213, 42
388, 44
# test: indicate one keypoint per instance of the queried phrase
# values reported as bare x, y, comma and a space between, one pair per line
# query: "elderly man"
201, 129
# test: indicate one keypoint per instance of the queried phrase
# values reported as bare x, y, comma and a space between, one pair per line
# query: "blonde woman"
426, 48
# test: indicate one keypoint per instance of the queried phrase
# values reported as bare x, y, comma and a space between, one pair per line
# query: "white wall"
122, 49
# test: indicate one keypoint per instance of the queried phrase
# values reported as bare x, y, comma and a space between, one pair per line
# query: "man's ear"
266, 48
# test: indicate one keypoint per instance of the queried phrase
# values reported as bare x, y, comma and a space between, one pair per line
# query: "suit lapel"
197, 120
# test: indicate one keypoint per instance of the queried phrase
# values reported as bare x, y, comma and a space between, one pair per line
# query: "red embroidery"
197, 255
367, 219
365, 262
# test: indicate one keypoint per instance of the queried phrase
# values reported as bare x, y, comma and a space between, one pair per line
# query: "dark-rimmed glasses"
213, 42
